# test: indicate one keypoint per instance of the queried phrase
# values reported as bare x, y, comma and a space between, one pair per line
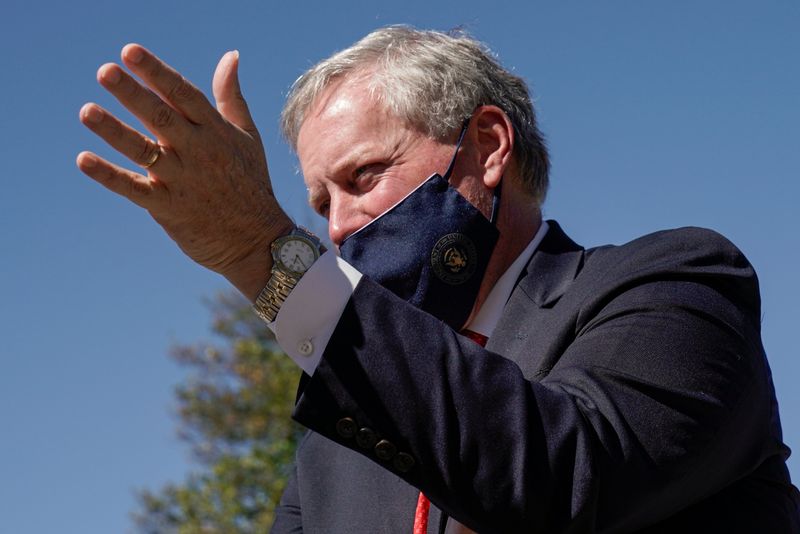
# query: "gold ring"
153, 158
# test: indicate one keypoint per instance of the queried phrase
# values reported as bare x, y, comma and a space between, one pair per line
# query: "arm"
660, 399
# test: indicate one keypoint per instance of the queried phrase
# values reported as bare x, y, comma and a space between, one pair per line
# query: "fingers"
167, 124
139, 189
167, 82
228, 94
127, 141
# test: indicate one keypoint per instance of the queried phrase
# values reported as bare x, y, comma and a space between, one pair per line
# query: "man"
620, 389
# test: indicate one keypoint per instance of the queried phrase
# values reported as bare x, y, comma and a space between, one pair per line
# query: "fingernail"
92, 114
134, 54
110, 75
87, 161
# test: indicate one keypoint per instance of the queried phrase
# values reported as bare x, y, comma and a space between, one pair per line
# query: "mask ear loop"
497, 190
449, 170
496, 202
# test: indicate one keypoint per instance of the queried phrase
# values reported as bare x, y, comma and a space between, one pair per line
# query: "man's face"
358, 160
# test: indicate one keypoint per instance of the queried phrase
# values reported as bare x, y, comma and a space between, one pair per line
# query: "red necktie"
421, 515
423, 504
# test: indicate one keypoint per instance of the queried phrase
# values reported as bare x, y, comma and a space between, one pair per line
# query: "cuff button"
346, 427
366, 438
305, 347
403, 462
385, 450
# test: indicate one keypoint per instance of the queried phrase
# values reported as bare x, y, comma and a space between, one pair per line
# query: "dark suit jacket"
625, 389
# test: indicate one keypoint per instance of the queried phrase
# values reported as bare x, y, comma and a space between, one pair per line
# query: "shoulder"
688, 241
692, 268
562, 268
689, 251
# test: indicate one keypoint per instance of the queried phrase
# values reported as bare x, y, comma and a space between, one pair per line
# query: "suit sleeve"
660, 399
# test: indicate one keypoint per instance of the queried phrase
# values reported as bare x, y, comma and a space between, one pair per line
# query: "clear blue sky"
658, 114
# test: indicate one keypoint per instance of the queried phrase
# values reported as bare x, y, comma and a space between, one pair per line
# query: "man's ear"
493, 136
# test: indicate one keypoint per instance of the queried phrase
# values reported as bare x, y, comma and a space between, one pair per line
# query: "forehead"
344, 120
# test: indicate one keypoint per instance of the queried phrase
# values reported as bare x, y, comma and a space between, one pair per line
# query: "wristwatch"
292, 255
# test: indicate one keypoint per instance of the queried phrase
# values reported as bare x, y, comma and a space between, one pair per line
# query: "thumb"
228, 93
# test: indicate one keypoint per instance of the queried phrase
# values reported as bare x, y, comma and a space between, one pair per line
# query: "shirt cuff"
310, 313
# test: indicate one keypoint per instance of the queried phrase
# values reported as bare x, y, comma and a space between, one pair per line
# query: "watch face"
297, 255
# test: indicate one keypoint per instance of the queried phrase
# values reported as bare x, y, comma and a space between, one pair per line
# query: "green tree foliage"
234, 411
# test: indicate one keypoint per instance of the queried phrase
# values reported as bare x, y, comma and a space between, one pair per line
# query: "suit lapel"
548, 275
552, 268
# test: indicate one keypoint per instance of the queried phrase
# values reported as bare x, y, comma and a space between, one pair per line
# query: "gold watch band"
283, 279
269, 301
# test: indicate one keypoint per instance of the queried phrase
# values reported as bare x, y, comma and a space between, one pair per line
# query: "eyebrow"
349, 160
315, 192
314, 195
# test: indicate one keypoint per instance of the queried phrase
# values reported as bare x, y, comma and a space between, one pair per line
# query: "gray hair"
434, 81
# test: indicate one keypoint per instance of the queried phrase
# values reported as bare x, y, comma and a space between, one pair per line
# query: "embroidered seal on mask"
453, 259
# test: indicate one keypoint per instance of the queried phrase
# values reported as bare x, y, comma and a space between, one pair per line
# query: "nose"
344, 218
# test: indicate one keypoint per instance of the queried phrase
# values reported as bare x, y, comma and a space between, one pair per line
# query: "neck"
517, 225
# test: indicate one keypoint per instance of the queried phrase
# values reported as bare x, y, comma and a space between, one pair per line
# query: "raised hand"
205, 177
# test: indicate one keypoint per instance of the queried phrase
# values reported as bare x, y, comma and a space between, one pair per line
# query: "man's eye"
324, 208
364, 177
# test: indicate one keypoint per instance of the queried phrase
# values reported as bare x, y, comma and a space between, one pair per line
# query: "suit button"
366, 438
403, 462
385, 450
346, 427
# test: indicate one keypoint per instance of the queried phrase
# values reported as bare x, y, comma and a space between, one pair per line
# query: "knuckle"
104, 174
146, 152
134, 89
207, 158
180, 91
155, 70
137, 188
110, 129
163, 117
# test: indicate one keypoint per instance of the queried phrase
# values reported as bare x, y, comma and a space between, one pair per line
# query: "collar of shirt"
489, 314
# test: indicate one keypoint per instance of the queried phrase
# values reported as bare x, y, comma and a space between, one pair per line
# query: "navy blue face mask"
431, 248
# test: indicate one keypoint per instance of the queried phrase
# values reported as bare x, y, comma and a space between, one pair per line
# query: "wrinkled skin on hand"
209, 187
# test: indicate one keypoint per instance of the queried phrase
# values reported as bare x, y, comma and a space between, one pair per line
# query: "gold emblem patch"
453, 259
